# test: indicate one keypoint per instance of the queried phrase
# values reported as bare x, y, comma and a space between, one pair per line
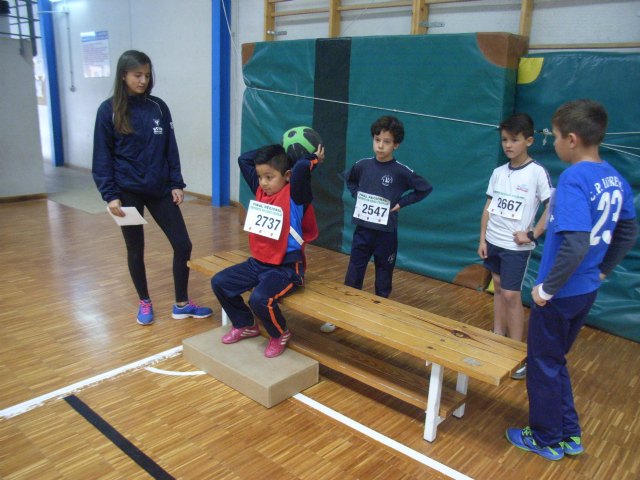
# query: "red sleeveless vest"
270, 250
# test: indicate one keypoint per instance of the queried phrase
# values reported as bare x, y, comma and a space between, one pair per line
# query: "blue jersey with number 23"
590, 197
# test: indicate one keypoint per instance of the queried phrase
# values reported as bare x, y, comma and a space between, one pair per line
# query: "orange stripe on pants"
270, 306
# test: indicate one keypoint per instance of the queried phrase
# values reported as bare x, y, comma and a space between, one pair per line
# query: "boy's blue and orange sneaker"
145, 312
523, 439
572, 446
190, 310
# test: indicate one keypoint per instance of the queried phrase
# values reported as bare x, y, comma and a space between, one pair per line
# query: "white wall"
79, 96
177, 36
21, 170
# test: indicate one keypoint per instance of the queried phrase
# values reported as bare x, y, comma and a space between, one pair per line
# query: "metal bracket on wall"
431, 24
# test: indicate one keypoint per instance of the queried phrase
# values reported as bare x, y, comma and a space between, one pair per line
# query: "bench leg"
432, 418
225, 318
461, 386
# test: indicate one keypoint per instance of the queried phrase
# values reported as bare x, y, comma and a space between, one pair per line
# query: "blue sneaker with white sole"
523, 439
190, 310
145, 312
572, 445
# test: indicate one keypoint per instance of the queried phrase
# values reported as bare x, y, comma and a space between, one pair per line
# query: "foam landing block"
243, 366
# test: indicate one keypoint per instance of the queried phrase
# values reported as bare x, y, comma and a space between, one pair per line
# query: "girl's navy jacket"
145, 162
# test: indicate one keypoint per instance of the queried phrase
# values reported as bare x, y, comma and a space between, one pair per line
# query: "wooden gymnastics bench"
441, 342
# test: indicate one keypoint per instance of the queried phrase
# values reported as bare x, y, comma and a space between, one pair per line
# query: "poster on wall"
95, 54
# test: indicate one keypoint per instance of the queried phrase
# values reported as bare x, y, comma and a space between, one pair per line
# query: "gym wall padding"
450, 91
546, 81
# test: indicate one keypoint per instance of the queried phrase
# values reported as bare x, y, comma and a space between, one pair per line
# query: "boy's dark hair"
585, 118
390, 124
274, 156
518, 123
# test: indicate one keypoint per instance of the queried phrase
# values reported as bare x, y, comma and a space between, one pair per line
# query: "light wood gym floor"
67, 314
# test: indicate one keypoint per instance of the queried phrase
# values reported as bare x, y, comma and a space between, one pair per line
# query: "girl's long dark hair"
128, 61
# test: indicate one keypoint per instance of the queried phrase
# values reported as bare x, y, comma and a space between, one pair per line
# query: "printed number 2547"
368, 209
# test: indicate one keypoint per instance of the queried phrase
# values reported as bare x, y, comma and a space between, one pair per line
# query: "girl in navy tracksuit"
136, 163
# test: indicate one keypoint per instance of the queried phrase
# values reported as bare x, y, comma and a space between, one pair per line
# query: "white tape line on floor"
63, 392
174, 373
429, 462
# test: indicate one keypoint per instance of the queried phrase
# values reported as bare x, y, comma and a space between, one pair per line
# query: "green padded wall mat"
546, 81
287, 67
450, 91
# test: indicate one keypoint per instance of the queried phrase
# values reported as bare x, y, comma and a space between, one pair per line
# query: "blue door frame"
220, 101
49, 53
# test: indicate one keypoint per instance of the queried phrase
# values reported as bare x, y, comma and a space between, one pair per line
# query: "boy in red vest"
279, 221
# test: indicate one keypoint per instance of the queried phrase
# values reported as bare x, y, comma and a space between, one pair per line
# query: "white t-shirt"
516, 195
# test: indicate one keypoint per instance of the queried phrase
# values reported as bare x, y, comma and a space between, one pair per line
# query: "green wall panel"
450, 91
612, 79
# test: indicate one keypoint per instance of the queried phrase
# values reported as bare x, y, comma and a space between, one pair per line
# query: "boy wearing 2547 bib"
381, 186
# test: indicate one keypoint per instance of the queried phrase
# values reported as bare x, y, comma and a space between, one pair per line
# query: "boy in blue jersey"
381, 186
592, 225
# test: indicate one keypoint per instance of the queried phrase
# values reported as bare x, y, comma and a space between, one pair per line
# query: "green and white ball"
299, 141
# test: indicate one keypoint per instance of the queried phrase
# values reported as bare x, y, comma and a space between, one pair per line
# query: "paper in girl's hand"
131, 217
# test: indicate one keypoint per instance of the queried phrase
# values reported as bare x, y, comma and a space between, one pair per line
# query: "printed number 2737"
267, 222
